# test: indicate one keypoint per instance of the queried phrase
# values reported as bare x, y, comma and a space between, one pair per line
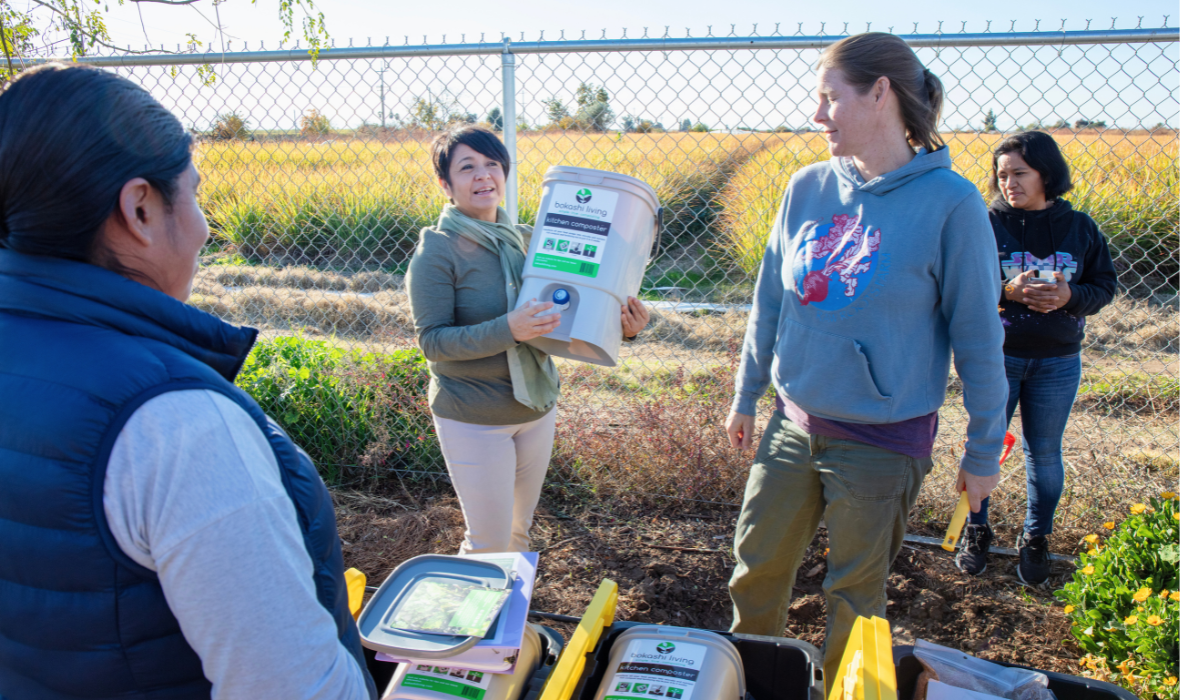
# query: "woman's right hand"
525, 325
740, 428
1017, 289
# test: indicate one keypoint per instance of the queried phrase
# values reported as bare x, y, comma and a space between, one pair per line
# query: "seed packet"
442, 605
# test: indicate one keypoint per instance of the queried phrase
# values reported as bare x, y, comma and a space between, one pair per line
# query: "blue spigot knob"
561, 296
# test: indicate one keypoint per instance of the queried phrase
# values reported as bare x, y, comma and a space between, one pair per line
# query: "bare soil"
672, 568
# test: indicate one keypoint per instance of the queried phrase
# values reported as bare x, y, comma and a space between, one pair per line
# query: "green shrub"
353, 412
1124, 602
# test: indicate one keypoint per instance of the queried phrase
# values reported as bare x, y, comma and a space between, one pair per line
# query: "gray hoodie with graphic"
867, 287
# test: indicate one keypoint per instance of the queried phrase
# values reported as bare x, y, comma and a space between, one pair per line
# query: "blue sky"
360, 19
745, 89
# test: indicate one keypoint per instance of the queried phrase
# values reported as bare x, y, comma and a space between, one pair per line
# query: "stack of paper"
497, 652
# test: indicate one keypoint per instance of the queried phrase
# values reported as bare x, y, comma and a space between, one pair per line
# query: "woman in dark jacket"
160, 538
1057, 270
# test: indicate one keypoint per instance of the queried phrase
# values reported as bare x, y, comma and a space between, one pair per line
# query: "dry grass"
670, 393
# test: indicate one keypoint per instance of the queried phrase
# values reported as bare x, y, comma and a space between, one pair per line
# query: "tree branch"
168, 2
76, 26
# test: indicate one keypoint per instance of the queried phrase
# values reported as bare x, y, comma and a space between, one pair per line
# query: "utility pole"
382, 74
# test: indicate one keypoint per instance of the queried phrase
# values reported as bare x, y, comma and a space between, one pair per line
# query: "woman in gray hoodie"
880, 263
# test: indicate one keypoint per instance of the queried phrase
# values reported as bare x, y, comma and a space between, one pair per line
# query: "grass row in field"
362, 203
1127, 183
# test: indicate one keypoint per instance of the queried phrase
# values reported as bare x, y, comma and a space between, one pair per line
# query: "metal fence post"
508, 74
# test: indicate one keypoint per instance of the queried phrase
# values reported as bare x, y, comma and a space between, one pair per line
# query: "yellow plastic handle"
355, 580
958, 520
599, 615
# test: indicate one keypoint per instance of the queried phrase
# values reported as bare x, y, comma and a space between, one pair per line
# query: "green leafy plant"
347, 409
1124, 604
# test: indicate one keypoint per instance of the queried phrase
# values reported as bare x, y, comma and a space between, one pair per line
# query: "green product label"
478, 609
444, 686
577, 267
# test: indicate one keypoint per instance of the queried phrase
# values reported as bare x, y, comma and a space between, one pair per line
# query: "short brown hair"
864, 58
478, 138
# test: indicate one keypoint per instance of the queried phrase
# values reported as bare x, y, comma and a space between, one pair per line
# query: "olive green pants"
863, 494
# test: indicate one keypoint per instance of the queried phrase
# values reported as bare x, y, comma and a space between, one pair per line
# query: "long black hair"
70, 137
1042, 154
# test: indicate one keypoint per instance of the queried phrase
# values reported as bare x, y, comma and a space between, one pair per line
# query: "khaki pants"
497, 472
863, 493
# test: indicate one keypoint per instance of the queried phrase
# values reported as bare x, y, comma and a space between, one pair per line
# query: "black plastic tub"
1065, 687
776, 668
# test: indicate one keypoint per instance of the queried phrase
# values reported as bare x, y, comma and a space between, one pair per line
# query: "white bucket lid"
590, 176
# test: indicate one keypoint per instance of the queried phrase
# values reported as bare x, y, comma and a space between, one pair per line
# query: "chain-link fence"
318, 179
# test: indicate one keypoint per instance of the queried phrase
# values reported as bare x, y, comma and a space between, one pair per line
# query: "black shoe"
1034, 566
972, 554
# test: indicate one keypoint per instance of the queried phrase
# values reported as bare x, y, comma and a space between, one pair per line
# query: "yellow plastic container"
866, 670
599, 615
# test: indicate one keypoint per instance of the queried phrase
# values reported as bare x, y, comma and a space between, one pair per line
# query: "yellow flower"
1069, 609
1170, 681
1164, 594
1155, 620
1088, 570
1092, 539
1131, 619
1176, 515
1138, 508
1108, 525
1142, 594
1174, 595
1167, 495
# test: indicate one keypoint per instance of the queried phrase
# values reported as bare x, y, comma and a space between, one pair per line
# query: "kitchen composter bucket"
590, 247
673, 662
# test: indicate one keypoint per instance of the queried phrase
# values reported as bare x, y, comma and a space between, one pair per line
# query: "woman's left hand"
1048, 297
634, 317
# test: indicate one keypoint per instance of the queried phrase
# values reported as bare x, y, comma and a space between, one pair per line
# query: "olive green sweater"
457, 297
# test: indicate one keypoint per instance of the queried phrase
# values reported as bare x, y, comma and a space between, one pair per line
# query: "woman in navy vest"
160, 537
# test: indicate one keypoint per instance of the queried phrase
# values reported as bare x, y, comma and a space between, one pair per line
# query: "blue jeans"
1045, 390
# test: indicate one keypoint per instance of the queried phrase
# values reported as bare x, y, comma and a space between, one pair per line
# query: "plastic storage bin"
776, 668
1065, 687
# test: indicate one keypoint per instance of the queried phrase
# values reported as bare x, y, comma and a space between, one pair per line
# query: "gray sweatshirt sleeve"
753, 375
193, 492
430, 281
969, 284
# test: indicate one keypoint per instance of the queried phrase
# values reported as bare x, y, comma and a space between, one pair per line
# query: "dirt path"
673, 570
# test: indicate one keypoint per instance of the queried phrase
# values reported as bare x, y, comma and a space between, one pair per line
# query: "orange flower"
1092, 539
1174, 595
1142, 594
1138, 508
1130, 620
1108, 525
1155, 620
1170, 681
1164, 594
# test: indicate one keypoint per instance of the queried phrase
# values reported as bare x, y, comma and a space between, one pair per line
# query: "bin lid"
375, 626
590, 176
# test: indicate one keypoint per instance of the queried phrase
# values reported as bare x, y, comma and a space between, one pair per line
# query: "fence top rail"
1045, 38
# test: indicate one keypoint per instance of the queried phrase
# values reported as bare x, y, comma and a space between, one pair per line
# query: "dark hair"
865, 58
70, 137
478, 138
1042, 154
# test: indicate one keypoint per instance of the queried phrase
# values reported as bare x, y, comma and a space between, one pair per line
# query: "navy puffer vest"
81, 348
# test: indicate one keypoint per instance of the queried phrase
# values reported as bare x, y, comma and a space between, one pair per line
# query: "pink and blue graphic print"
1059, 262
835, 263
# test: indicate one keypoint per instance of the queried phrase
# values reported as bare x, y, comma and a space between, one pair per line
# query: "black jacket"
1060, 239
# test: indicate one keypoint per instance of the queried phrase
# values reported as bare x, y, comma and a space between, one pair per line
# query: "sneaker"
972, 554
1034, 566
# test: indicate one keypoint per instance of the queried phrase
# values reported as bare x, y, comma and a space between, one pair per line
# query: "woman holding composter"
881, 261
492, 395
